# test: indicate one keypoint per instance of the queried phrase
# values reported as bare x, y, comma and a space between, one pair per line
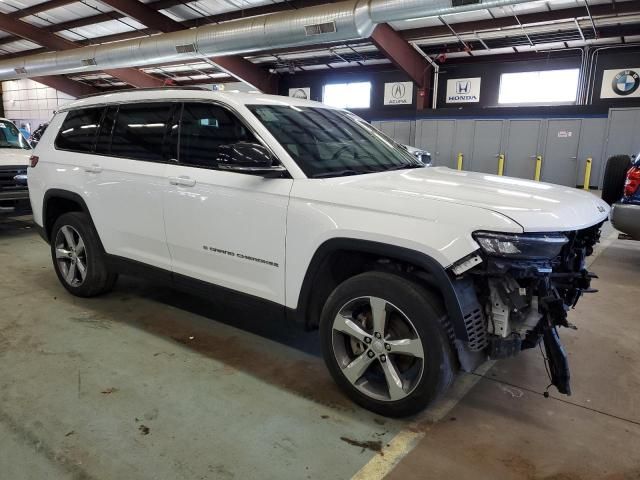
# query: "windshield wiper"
341, 173
403, 167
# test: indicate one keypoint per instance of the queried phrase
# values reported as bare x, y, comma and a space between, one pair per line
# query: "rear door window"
79, 130
140, 130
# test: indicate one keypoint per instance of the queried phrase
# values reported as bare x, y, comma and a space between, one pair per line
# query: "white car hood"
10, 157
536, 206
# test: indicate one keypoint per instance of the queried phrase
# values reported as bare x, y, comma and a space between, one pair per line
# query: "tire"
411, 314
70, 231
614, 177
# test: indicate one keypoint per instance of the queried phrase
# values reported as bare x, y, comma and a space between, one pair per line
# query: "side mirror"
248, 157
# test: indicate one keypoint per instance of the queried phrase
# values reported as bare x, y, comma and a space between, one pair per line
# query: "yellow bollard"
587, 173
460, 160
501, 164
538, 168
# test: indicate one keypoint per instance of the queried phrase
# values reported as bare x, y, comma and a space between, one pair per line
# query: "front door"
223, 227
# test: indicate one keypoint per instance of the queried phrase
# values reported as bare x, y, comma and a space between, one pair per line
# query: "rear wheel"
78, 258
614, 177
384, 343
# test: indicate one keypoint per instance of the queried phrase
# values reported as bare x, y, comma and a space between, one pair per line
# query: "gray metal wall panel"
522, 144
487, 145
592, 138
463, 142
560, 158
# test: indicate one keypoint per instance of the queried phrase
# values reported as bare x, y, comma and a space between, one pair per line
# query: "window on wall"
542, 87
347, 95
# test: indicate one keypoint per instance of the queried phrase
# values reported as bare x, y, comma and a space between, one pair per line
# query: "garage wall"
565, 143
27, 101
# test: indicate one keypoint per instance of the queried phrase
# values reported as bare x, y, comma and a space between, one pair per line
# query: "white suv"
410, 273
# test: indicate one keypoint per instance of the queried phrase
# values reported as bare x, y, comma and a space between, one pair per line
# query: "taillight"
33, 160
633, 182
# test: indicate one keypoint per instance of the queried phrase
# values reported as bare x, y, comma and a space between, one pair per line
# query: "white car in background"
14, 160
290, 207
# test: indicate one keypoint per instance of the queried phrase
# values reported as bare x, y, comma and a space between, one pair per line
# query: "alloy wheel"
71, 255
378, 348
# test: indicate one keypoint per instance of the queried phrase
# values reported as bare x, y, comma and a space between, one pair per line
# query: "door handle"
182, 181
95, 168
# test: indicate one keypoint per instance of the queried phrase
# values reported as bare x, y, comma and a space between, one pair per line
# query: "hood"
536, 206
14, 157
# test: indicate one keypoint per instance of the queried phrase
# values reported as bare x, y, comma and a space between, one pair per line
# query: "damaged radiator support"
525, 301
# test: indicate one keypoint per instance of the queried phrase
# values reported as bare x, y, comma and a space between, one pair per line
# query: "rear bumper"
626, 218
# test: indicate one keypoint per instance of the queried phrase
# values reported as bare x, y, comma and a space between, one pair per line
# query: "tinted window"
140, 130
204, 129
79, 129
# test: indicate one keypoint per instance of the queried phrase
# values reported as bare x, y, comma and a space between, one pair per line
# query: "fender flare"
60, 193
459, 295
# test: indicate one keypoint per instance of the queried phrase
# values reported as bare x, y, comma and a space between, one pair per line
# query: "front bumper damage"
524, 302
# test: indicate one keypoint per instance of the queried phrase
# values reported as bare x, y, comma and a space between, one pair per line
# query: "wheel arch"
455, 294
57, 202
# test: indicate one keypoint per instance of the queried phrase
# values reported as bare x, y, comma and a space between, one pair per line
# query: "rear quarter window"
79, 129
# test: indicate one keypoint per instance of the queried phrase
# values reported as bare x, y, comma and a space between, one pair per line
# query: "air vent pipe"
336, 22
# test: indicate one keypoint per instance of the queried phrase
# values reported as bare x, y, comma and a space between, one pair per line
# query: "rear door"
125, 178
560, 163
224, 228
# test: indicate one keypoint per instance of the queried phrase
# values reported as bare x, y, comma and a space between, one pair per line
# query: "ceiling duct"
343, 21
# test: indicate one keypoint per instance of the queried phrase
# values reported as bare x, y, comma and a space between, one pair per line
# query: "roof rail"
145, 89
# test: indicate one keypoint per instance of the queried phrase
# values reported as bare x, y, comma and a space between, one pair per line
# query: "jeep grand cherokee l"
409, 273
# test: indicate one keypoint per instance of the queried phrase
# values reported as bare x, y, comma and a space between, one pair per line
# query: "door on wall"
522, 148
560, 161
623, 138
436, 136
399, 130
487, 140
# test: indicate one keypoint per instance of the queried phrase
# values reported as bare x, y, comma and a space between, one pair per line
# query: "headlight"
532, 246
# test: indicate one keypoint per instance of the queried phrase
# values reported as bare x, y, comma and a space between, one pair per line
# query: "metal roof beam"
66, 85
403, 56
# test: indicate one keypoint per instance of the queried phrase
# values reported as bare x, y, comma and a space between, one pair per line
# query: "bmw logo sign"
626, 82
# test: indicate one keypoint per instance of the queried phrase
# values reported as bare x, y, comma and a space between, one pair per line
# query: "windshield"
330, 143
10, 137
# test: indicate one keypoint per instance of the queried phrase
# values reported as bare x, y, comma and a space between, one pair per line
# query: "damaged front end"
525, 284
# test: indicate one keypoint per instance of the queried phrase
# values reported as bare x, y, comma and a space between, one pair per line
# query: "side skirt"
209, 291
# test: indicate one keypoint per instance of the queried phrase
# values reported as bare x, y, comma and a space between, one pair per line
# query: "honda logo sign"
463, 90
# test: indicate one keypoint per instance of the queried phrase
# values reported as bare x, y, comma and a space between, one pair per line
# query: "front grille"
7, 183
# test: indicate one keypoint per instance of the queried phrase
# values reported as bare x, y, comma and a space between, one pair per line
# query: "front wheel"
384, 343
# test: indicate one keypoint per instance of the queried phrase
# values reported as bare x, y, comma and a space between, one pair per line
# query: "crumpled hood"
536, 206
10, 157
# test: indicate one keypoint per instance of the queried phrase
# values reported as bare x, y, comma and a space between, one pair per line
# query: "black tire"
98, 278
614, 177
427, 316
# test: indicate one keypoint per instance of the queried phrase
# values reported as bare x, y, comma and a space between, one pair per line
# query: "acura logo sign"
398, 90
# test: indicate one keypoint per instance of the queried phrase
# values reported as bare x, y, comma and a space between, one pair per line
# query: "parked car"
623, 179
14, 159
293, 207
37, 134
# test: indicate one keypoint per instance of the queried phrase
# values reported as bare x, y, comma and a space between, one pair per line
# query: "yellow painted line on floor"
405, 440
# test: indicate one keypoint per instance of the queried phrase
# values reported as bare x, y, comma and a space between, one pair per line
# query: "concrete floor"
147, 383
